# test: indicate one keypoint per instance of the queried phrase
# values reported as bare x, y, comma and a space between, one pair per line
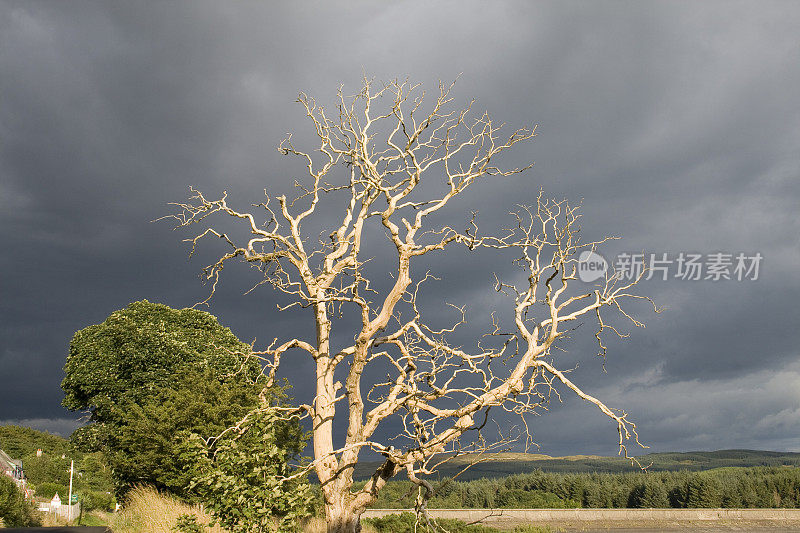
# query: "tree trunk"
341, 517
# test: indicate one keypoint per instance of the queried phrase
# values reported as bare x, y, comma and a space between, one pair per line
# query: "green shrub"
246, 483
92, 500
14, 510
187, 523
48, 490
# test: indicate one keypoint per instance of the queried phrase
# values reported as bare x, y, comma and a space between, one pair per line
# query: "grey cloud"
676, 124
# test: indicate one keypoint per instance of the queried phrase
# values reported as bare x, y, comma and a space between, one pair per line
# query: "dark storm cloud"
676, 123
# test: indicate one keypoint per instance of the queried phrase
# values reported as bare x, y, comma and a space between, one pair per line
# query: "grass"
94, 519
148, 511
51, 520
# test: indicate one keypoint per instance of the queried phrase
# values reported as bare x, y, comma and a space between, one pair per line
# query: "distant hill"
507, 464
19, 441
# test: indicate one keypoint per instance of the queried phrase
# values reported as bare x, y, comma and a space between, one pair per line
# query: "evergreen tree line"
757, 487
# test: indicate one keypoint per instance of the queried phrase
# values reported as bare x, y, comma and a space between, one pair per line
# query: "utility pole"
69, 500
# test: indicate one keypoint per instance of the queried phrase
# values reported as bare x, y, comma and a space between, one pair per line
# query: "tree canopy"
149, 376
142, 349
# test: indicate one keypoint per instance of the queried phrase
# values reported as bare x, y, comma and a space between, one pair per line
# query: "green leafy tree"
94, 473
48, 490
244, 477
141, 350
47, 469
149, 372
149, 433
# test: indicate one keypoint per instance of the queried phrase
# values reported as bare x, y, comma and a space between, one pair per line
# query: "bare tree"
383, 141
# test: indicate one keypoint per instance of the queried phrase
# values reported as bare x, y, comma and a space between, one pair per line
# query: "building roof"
7, 462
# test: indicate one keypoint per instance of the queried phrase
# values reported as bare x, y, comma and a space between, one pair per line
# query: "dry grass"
148, 511
51, 520
315, 525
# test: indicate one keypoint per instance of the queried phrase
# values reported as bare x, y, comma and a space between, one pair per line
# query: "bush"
94, 500
246, 481
48, 490
187, 523
14, 510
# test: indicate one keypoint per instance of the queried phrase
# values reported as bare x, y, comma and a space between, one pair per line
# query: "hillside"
52, 468
19, 441
515, 463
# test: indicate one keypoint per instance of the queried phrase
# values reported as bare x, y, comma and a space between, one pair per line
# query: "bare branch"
375, 151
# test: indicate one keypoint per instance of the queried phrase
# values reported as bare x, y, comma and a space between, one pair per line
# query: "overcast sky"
677, 124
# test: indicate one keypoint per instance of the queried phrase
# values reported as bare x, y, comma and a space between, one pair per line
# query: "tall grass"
148, 511
51, 520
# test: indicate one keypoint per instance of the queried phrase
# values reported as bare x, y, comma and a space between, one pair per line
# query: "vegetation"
14, 510
48, 474
150, 433
407, 523
48, 490
756, 487
96, 501
180, 404
18, 442
245, 479
149, 373
149, 511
